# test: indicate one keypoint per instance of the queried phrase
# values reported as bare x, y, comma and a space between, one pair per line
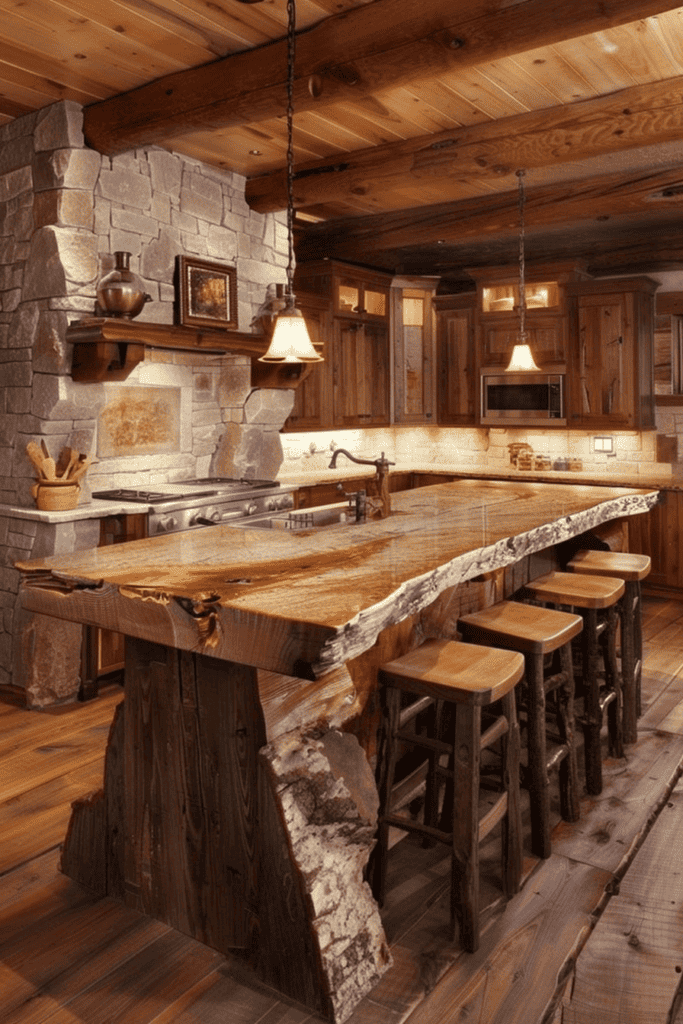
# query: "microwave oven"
522, 399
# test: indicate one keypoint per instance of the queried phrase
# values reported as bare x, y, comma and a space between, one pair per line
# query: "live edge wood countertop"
306, 603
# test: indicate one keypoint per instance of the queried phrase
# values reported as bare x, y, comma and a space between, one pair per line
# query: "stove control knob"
286, 501
167, 525
200, 517
250, 508
272, 504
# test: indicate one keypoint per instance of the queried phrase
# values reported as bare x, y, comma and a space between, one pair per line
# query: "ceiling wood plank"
391, 42
494, 215
639, 116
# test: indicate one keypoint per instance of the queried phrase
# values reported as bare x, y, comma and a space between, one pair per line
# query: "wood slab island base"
203, 825
242, 812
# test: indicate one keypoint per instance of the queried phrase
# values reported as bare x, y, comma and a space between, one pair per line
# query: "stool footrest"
414, 709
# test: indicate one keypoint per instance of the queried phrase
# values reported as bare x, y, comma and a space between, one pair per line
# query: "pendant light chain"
291, 51
522, 287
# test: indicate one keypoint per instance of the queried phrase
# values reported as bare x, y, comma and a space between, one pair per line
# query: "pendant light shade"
291, 342
522, 358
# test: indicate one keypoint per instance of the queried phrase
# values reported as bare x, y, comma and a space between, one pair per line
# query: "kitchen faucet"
382, 466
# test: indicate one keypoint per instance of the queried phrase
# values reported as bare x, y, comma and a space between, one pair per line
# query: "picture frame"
206, 294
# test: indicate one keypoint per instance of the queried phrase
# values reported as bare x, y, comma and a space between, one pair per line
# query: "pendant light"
291, 342
522, 358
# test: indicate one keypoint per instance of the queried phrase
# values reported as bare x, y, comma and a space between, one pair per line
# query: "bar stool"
595, 599
537, 632
630, 568
472, 677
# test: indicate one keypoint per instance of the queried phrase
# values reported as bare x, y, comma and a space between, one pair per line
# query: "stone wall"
64, 210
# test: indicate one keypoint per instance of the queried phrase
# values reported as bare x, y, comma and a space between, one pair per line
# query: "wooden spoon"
37, 458
48, 463
81, 466
72, 463
63, 461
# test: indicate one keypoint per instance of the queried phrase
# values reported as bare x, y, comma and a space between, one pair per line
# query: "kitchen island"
234, 807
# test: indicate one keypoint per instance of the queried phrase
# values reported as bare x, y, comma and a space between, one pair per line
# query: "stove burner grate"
149, 497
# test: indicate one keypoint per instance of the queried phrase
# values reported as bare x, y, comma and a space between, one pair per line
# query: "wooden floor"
595, 935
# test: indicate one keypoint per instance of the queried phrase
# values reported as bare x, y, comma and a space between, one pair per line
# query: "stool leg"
512, 822
465, 861
386, 761
570, 807
431, 804
592, 714
631, 640
638, 632
615, 708
539, 785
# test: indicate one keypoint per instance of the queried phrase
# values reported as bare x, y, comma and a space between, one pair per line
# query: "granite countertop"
304, 603
97, 508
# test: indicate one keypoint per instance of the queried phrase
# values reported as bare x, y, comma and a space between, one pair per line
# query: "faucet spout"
382, 475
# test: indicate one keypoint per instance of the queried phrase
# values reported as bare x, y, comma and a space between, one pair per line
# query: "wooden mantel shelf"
108, 349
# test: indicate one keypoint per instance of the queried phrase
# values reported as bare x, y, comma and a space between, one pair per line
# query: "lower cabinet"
657, 533
103, 650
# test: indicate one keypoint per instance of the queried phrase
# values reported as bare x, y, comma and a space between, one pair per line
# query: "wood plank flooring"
594, 929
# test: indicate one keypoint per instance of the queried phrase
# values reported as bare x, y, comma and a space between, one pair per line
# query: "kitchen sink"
320, 517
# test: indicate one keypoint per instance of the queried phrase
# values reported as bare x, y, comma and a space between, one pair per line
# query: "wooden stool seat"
631, 568
577, 591
536, 632
620, 564
590, 595
469, 677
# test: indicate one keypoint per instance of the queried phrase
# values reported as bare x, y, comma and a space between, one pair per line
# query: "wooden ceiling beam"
631, 118
351, 54
490, 216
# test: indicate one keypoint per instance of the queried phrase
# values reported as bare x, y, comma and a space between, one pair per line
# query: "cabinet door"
312, 409
361, 373
414, 355
457, 371
603, 383
358, 294
657, 533
546, 338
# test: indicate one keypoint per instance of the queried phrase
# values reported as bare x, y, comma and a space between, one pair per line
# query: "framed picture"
206, 293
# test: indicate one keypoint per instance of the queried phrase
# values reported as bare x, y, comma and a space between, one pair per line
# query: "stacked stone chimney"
64, 211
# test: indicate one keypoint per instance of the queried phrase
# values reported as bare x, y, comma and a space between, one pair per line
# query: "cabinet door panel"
604, 367
413, 332
457, 373
312, 407
361, 377
546, 338
657, 533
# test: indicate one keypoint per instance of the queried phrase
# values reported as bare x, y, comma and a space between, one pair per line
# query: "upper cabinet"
312, 409
498, 314
457, 366
352, 387
413, 329
611, 373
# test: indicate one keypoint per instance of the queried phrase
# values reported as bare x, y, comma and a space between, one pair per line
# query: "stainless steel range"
173, 508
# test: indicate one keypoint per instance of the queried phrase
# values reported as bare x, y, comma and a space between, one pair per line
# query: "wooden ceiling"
411, 117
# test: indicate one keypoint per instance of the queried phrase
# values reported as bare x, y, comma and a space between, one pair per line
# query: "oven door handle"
203, 521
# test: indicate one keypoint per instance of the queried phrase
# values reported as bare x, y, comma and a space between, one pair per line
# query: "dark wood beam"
379, 45
639, 116
491, 216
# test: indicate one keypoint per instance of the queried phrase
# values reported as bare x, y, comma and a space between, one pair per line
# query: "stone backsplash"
469, 448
